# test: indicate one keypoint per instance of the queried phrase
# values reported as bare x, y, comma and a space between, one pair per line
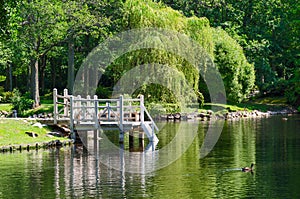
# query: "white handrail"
149, 116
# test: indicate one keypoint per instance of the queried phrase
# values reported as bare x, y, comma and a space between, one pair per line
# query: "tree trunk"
53, 72
42, 73
71, 55
8, 82
34, 69
28, 76
35, 82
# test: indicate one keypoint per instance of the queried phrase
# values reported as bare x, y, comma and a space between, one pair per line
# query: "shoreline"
24, 134
230, 115
35, 146
204, 115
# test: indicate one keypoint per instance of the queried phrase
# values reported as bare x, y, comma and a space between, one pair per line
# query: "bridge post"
66, 102
78, 112
142, 108
55, 107
86, 110
141, 141
131, 140
121, 112
96, 111
108, 110
73, 135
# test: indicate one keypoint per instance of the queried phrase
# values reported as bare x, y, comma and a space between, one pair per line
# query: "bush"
1, 90
238, 75
104, 92
156, 110
292, 92
6, 97
277, 88
20, 103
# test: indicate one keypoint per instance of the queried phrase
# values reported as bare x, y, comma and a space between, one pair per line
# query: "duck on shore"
248, 169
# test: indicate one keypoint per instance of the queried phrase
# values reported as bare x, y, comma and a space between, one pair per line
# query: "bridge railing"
144, 110
64, 101
118, 111
94, 111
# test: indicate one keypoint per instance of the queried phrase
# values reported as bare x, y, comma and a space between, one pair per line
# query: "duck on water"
248, 169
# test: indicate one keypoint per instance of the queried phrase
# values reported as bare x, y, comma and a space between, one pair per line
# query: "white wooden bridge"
93, 113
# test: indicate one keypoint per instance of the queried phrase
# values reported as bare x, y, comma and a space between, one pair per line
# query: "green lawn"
5, 107
266, 104
261, 104
46, 107
12, 132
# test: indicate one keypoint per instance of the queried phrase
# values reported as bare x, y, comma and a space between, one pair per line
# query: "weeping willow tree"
147, 14
140, 14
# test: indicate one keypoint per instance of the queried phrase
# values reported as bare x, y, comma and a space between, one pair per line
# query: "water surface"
271, 143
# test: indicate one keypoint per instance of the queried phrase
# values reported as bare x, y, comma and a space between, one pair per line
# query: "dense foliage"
267, 30
238, 75
43, 43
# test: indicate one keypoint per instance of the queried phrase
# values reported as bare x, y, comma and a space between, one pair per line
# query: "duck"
248, 169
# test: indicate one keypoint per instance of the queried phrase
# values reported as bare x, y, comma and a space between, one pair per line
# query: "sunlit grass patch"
5, 107
271, 100
13, 132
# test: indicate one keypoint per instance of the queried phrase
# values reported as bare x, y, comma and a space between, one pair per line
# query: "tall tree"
266, 29
7, 40
39, 26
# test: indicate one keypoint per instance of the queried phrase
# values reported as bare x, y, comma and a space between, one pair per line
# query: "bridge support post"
55, 108
121, 113
142, 108
97, 125
73, 133
66, 103
121, 137
131, 140
96, 142
141, 141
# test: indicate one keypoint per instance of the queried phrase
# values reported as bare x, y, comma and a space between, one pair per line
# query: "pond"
273, 144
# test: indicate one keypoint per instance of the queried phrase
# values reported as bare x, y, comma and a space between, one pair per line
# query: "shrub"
276, 88
6, 97
104, 92
1, 90
20, 103
238, 75
156, 110
292, 90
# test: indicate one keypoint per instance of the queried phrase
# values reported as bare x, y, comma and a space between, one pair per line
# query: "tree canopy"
43, 43
267, 30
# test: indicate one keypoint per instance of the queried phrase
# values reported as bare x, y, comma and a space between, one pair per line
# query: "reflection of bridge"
92, 113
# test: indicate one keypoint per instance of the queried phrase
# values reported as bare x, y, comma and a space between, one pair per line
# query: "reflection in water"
74, 172
107, 149
79, 174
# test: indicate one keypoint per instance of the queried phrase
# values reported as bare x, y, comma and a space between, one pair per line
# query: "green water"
271, 143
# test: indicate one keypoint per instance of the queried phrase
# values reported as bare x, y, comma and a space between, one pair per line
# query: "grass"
266, 104
231, 107
45, 107
260, 104
5, 107
12, 132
